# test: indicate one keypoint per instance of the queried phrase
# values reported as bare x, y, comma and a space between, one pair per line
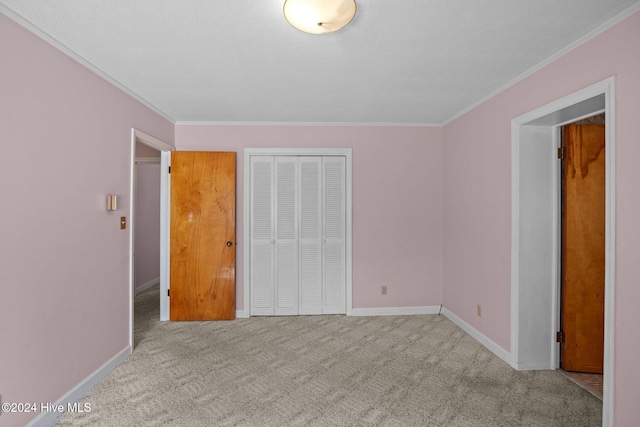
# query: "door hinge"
560, 337
168, 292
169, 169
562, 153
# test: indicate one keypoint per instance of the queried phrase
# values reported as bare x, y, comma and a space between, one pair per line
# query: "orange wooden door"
202, 241
583, 248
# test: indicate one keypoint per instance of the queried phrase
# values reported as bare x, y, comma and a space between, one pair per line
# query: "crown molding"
582, 40
28, 25
335, 124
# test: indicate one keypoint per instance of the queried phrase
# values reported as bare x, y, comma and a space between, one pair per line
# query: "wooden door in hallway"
202, 241
583, 248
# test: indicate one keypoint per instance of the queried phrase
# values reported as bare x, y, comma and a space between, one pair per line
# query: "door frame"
165, 150
248, 152
535, 228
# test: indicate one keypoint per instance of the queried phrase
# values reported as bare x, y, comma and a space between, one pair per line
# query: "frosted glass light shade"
319, 16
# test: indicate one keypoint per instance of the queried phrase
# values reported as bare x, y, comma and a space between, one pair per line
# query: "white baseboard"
395, 311
533, 367
241, 314
147, 285
478, 336
81, 389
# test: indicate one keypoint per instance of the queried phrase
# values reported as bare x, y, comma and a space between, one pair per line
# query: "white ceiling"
398, 62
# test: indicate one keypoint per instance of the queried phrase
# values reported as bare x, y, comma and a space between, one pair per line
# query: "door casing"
535, 198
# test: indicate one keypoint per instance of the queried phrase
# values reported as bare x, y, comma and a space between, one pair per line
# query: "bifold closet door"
297, 263
262, 235
322, 235
311, 235
334, 235
274, 235
286, 236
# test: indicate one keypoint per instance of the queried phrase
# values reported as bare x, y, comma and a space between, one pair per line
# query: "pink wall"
64, 261
397, 196
65, 137
477, 201
147, 229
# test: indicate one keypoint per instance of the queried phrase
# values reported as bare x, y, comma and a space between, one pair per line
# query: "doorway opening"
536, 243
139, 139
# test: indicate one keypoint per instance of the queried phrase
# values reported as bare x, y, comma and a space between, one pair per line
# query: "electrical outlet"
479, 310
384, 289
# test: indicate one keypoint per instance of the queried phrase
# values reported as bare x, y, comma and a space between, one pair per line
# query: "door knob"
229, 244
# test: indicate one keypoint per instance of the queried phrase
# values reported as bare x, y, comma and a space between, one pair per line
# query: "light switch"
112, 202
123, 222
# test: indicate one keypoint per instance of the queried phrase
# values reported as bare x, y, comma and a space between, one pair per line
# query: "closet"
297, 229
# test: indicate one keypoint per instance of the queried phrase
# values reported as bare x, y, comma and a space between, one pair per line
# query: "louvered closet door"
322, 235
334, 237
311, 293
262, 235
286, 241
297, 235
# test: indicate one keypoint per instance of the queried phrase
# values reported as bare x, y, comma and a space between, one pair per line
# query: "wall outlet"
384, 289
479, 308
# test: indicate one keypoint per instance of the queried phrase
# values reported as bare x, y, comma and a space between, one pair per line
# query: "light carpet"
324, 371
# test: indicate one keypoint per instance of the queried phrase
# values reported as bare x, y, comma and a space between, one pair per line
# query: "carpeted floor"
324, 371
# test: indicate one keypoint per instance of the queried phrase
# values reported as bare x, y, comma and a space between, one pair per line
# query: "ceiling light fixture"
319, 16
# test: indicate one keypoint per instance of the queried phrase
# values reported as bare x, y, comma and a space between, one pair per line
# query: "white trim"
582, 40
147, 160
610, 256
606, 87
81, 60
347, 153
132, 200
241, 314
81, 389
147, 285
334, 124
151, 141
395, 311
165, 224
478, 336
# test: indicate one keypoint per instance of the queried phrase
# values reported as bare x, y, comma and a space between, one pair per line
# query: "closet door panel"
334, 220
298, 220
262, 236
310, 235
286, 242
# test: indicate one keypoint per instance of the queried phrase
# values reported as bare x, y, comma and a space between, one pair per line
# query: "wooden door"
583, 248
202, 241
